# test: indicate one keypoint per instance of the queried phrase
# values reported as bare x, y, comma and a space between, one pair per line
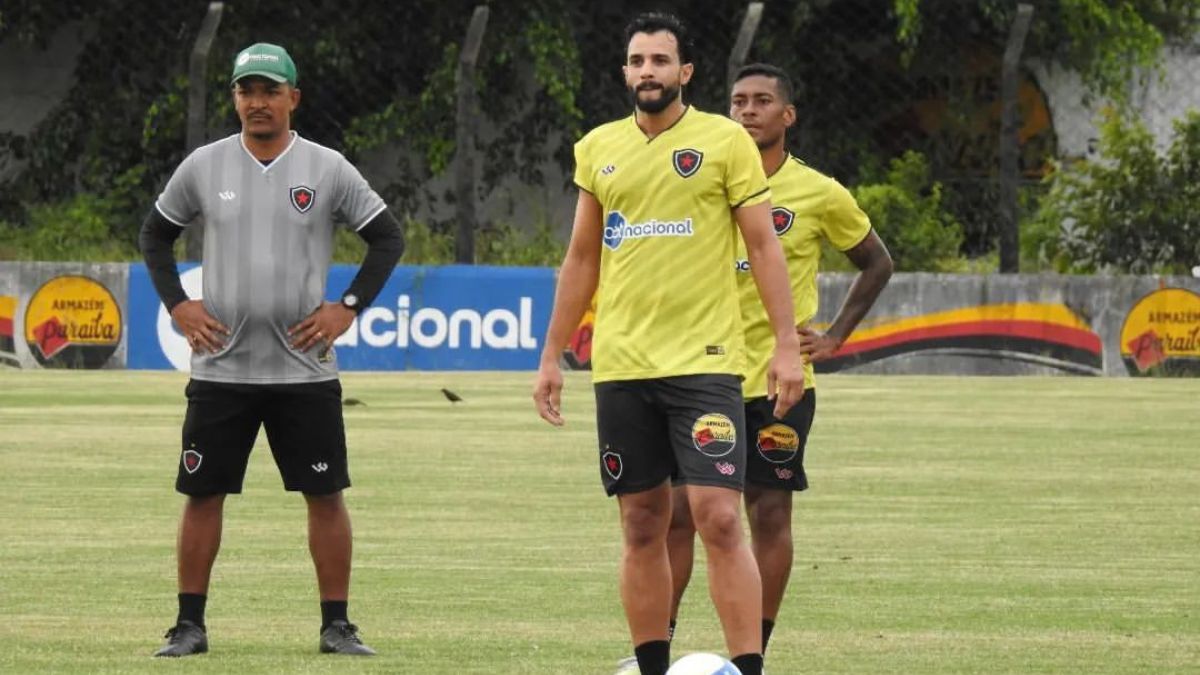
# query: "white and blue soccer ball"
701, 663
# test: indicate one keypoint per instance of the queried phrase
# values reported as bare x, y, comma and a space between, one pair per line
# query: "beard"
652, 106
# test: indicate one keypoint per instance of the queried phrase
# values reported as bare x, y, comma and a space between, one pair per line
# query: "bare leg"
681, 544
198, 542
770, 516
733, 578
645, 569
330, 543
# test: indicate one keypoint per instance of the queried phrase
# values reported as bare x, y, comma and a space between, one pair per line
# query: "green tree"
1131, 210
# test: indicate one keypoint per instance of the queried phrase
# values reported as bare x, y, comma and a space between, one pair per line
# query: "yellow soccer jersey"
667, 303
806, 206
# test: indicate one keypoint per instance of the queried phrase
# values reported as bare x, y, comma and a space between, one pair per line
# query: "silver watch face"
350, 300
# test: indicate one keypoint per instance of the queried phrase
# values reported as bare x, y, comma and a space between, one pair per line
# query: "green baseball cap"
265, 60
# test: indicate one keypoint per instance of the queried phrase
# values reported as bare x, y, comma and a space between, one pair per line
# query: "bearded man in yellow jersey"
807, 207
663, 194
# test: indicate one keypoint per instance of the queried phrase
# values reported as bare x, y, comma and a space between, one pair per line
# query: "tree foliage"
1131, 210
378, 82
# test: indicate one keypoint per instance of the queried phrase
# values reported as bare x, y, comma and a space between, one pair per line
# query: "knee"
325, 505
771, 518
207, 505
720, 528
644, 527
771, 524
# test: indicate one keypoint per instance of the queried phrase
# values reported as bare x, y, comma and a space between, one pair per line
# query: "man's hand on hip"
203, 332
322, 327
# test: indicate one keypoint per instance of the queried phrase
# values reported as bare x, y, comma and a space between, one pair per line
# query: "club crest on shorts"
778, 443
612, 464
303, 198
687, 161
191, 461
782, 219
714, 435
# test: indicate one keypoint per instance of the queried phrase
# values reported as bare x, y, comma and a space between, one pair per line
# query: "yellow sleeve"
583, 166
745, 180
844, 225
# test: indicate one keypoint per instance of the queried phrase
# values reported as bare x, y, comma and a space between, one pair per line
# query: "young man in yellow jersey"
663, 194
806, 208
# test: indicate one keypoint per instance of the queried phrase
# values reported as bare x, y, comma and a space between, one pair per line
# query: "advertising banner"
454, 317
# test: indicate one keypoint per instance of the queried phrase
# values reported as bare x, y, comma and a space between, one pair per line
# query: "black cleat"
341, 637
184, 638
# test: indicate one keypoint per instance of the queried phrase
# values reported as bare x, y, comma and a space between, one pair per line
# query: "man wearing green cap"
262, 336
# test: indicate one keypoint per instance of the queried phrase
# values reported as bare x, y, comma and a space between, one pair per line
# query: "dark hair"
654, 22
787, 90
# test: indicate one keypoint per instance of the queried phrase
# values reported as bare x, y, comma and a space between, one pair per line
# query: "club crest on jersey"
303, 198
687, 161
782, 219
191, 461
612, 464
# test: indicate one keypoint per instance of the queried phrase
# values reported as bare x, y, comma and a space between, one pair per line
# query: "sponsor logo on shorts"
192, 460
778, 443
784, 474
617, 229
687, 161
612, 464
782, 220
303, 198
320, 467
714, 435
725, 468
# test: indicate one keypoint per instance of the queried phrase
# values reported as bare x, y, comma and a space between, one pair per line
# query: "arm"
385, 245
769, 268
874, 262
157, 238
577, 281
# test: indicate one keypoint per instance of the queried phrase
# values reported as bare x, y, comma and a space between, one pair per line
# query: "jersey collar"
633, 120
273, 162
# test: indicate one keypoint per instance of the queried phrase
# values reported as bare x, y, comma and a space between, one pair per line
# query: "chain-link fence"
96, 94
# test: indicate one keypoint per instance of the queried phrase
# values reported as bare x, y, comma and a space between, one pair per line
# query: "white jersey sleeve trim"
158, 207
371, 217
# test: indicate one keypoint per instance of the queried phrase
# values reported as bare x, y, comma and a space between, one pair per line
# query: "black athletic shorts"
775, 456
304, 428
686, 427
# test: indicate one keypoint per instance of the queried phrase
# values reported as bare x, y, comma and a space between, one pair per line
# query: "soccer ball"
703, 664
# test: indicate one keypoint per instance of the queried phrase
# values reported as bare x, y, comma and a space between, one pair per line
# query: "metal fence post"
197, 123
464, 140
745, 37
1010, 143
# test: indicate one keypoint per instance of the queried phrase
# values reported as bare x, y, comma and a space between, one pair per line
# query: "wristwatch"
350, 302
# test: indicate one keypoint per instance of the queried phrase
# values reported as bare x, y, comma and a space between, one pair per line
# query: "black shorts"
304, 428
686, 427
775, 457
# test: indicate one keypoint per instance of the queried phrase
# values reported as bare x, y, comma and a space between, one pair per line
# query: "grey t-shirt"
268, 240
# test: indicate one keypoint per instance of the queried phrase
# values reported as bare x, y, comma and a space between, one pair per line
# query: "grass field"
955, 525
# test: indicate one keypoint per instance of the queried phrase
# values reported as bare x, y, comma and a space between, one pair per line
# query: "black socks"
333, 610
767, 626
654, 658
749, 664
191, 608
